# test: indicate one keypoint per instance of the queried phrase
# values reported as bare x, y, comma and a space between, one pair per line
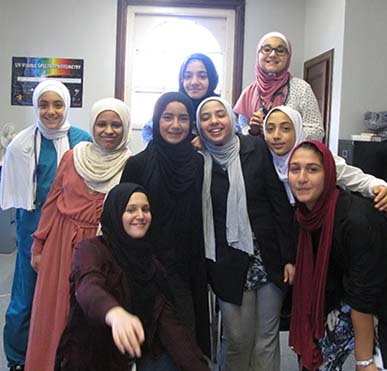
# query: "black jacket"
271, 219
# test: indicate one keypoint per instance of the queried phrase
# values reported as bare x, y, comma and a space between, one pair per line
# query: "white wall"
262, 16
324, 30
53, 28
87, 30
364, 85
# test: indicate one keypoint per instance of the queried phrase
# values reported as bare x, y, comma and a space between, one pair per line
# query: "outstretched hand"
127, 331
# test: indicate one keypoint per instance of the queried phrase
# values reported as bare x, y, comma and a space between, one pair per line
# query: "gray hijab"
238, 230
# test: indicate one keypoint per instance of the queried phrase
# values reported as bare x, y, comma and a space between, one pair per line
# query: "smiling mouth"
139, 225
215, 131
303, 190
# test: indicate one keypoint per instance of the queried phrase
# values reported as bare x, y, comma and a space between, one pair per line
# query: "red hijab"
307, 322
269, 89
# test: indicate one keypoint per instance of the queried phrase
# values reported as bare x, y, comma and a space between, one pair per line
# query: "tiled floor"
288, 359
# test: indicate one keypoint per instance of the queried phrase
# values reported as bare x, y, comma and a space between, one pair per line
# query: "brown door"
318, 73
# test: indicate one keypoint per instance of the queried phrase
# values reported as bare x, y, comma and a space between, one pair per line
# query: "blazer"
271, 218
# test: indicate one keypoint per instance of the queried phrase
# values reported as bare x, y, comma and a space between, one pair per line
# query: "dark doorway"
318, 73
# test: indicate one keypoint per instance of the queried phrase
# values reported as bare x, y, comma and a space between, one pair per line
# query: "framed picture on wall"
27, 72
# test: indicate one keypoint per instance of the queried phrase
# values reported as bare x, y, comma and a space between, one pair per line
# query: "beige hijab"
100, 168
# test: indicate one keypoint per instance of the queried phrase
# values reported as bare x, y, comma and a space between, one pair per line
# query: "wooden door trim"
328, 58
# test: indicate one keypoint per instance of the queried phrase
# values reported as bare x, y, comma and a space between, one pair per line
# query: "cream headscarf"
18, 184
281, 162
100, 168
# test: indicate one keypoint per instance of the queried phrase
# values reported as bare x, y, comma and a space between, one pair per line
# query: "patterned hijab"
281, 162
269, 89
307, 321
239, 233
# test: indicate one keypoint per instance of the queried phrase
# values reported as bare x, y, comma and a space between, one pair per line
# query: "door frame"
237, 5
325, 58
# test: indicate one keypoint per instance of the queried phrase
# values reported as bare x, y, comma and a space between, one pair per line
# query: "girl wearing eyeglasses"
275, 86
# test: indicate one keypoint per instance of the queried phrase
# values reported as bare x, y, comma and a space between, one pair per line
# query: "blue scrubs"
17, 318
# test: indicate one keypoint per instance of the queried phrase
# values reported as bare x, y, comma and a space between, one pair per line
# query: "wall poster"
27, 72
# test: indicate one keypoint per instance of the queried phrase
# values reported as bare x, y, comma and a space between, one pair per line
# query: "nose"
194, 80
140, 214
175, 122
302, 176
276, 133
51, 109
109, 129
213, 119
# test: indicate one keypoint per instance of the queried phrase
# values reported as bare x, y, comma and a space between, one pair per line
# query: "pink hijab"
269, 90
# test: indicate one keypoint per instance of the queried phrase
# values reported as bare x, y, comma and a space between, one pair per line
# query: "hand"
197, 143
127, 331
289, 272
35, 262
381, 197
256, 123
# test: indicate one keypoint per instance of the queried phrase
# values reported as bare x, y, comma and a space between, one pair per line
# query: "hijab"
18, 186
269, 89
100, 168
281, 162
212, 74
238, 229
170, 176
133, 255
307, 320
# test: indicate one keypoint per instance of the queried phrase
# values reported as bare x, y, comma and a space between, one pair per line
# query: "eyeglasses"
279, 50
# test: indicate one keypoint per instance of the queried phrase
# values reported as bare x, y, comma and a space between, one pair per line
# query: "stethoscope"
265, 110
35, 173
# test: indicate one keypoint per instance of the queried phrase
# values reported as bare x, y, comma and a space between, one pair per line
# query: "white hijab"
18, 180
238, 230
100, 168
281, 162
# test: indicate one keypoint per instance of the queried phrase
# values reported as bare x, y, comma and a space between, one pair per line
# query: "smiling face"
137, 217
306, 176
51, 110
108, 130
280, 135
215, 124
272, 62
195, 79
174, 123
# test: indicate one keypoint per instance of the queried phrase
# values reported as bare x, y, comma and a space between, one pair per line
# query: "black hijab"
172, 162
171, 176
213, 77
133, 255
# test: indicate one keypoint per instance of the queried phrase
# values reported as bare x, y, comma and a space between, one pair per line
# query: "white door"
159, 39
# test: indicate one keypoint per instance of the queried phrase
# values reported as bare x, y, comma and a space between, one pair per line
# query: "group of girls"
180, 219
